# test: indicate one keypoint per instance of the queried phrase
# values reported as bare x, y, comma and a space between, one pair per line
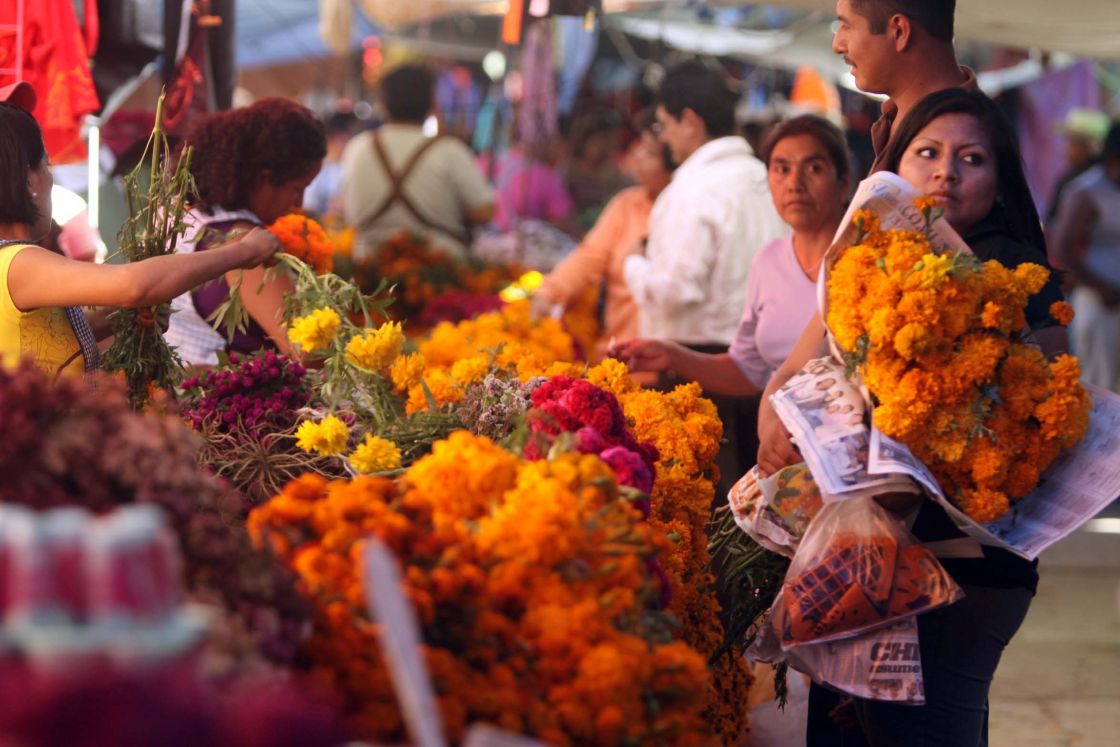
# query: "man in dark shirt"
902, 49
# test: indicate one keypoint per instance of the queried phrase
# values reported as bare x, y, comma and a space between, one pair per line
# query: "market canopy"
1087, 28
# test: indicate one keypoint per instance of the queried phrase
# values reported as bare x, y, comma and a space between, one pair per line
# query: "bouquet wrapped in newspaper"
962, 401
932, 344
940, 339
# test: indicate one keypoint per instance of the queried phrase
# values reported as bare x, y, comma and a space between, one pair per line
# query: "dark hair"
818, 128
407, 93
646, 121
233, 148
590, 123
935, 17
1019, 211
1111, 149
340, 123
21, 151
693, 85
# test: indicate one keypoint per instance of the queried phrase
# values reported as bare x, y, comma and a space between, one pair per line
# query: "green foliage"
155, 223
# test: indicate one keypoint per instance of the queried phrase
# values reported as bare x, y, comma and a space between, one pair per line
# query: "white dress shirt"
705, 229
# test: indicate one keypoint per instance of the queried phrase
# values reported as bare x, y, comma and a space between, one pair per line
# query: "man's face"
676, 134
871, 56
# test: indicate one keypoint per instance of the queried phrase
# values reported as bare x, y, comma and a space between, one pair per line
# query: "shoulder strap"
397, 194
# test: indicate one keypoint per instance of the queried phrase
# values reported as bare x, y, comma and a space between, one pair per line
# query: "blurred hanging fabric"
55, 53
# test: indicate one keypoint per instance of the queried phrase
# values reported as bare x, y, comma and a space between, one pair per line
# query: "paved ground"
1059, 682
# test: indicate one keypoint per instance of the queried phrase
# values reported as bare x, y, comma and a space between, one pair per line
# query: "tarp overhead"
398, 13
271, 32
1088, 28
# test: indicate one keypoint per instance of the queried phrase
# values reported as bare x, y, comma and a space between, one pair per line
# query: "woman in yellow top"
40, 290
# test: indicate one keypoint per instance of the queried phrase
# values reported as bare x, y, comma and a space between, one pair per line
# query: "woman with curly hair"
250, 166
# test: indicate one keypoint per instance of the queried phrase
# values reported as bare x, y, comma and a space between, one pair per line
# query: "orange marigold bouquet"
305, 239
532, 582
939, 338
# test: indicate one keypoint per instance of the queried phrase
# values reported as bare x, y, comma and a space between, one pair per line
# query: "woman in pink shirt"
809, 177
623, 223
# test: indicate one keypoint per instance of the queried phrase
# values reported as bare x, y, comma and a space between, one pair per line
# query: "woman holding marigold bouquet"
251, 167
956, 147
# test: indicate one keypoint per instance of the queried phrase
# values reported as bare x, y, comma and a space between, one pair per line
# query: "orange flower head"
1062, 311
305, 239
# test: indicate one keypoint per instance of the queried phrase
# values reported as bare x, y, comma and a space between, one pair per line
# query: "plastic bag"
882, 664
775, 511
857, 569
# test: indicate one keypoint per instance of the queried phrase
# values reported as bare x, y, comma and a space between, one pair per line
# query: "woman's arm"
264, 301
588, 263
38, 278
716, 373
775, 450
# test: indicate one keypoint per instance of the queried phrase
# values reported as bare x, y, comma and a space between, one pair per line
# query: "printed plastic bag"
775, 511
882, 664
857, 569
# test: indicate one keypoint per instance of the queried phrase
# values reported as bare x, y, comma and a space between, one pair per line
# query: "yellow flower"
470, 370
613, 375
376, 454
327, 437
935, 269
316, 330
376, 349
406, 371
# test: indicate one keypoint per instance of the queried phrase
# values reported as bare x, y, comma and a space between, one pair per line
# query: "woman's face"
648, 164
804, 184
952, 160
271, 201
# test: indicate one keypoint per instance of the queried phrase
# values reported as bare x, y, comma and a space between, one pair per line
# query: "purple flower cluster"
77, 442
256, 392
493, 407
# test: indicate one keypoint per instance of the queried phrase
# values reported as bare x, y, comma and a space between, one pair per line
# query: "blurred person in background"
528, 186
809, 174
322, 195
624, 223
1084, 131
1087, 244
590, 172
706, 227
397, 178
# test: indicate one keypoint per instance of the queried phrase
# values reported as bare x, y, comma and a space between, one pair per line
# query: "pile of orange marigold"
532, 584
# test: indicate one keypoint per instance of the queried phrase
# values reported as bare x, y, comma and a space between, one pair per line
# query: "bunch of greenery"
155, 223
